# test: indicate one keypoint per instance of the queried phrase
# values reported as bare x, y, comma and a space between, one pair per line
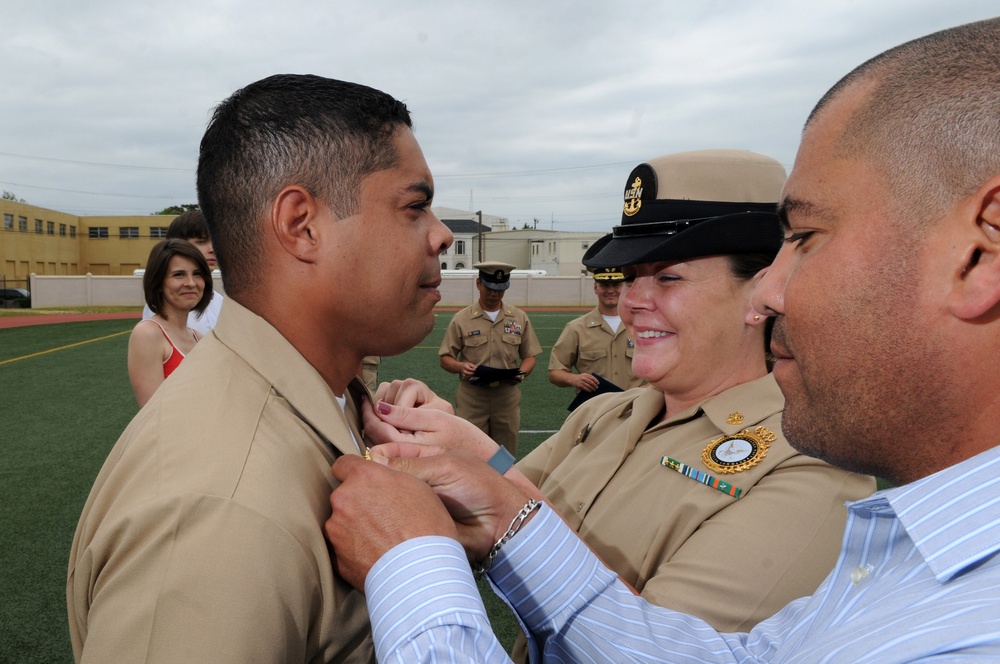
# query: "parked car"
15, 298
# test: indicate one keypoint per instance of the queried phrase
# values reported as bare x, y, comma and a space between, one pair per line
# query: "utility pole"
480, 215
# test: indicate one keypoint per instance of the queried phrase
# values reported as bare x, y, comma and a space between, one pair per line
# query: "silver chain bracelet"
515, 525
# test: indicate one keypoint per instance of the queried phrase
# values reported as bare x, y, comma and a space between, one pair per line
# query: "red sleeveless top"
174, 359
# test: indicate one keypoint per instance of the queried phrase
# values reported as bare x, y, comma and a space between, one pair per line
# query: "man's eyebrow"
421, 188
799, 206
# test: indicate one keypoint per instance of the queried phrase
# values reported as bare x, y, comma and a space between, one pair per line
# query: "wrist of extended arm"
515, 525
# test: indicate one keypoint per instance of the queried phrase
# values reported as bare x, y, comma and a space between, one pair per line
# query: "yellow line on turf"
52, 350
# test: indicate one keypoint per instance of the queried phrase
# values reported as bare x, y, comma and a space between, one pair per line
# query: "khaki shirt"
369, 371
680, 543
588, 344
202, 539
473, 337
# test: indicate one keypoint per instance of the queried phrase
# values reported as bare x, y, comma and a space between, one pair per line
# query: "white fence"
456, 291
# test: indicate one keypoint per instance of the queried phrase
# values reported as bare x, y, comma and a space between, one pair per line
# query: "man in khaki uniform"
596, 343
490, 334
202, 538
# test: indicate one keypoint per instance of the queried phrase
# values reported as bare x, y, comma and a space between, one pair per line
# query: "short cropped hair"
323, 134
156, 272
931, 123
188, 226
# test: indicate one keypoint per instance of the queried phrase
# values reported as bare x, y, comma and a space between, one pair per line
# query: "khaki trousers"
495, 410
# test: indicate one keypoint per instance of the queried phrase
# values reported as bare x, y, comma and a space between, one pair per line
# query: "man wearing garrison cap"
485, 337
596, 344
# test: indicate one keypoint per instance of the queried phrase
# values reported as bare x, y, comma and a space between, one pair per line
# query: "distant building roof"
464, 225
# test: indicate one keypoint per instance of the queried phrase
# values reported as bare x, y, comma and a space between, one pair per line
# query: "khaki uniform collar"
738, 407
753, 402
280, 364
594, 318
477, 311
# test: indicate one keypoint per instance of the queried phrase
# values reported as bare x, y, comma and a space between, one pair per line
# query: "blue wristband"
502, 460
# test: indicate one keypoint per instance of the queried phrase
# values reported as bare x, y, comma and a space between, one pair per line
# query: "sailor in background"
492, 348
596, 344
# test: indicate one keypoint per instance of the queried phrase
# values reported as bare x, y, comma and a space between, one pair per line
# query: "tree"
177, 209
11, 196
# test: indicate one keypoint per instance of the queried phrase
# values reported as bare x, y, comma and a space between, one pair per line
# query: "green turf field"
65, 400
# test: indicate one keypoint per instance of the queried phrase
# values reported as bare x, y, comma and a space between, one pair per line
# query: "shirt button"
860, 572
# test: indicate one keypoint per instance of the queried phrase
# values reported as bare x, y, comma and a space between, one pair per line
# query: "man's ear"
976, 289
295, 221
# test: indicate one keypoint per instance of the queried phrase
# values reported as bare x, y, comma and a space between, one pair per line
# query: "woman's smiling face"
687, 320
183, 284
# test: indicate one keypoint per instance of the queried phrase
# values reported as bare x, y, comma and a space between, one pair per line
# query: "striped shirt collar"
952, 516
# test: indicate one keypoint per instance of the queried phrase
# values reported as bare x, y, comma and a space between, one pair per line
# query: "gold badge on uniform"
739, 452
736, 417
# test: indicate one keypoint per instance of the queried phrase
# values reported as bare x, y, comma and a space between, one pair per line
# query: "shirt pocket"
476, 341
593, 355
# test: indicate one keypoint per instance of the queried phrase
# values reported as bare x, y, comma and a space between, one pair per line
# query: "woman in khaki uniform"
689, 490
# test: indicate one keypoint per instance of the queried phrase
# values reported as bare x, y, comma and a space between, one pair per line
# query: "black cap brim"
740, 233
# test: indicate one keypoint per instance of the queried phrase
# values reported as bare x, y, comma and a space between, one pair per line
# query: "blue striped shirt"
918, 578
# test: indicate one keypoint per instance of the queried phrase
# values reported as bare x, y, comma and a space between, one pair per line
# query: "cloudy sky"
529, 109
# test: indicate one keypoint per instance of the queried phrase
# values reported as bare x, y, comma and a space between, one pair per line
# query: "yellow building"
46, 242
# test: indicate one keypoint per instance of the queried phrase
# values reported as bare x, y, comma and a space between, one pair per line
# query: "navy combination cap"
607, 275
693, 204
494, 274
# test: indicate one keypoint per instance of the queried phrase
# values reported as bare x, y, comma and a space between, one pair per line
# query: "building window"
459, 246
72, 231
158, 231
22, 224
97, 232
8, 222
38, 225
552, 247
50, 228
128, 232
62, 230
459, 266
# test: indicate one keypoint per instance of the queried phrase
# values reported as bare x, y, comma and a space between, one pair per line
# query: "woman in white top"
177, 281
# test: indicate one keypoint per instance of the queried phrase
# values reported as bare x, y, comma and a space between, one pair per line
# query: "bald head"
931, 117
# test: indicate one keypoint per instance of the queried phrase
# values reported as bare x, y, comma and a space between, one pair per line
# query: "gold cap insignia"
739, 452
632, 198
